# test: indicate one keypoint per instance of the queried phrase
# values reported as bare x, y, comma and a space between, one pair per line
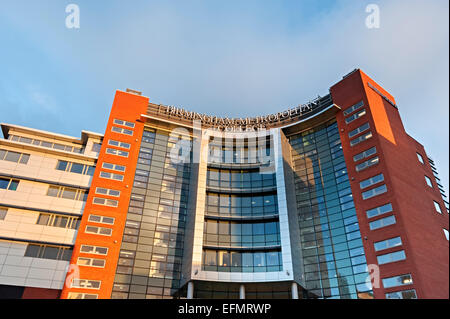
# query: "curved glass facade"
333, 256
263, 207
241, 227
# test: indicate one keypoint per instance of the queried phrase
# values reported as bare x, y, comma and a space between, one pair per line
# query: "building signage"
241, 124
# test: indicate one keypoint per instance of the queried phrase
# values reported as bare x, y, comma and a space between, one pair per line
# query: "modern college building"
330, 199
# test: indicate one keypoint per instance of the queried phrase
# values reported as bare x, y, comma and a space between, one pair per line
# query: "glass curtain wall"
333, 254
152, 248
242, 232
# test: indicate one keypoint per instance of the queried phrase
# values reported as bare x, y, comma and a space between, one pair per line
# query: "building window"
9, 184
239, 179
107, 175
80, 295
105, 202
380, 223
397, 281
248, 234
361, 139
371, 162
113, 151
121, 130
60, 221
428, 180
371, 151
355, 116
47, 144
96, 147
94, 250
148, 137
86, 284
437, 207
101, 219
237, 261
374, 192
124, 123
119, 144
67, 193
420, 158
48, 252
388, 243
3, 212
98, 230
445, 233
392, 257
14, 157
360, 129
107, 191
113, 167
75, 168
371, 181
91, 262
353, 108
405, 294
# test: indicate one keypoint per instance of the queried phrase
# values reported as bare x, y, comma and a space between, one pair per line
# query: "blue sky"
227, 58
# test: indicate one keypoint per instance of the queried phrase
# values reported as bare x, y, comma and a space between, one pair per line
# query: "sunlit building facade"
328, 199
44, 183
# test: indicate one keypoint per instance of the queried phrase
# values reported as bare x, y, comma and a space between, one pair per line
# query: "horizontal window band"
235, 248
244, 219
40, 210
30, 179
236, 166
37, 242
256, 190
42, 149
